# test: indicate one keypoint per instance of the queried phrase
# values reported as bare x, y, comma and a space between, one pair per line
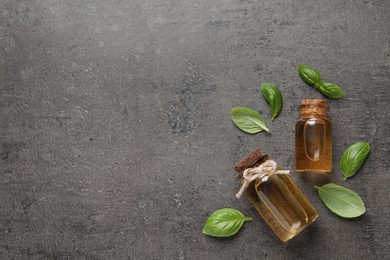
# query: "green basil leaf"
274, 98
353, 158
341, 201
330, 90
248, 120
309, 75
224, 223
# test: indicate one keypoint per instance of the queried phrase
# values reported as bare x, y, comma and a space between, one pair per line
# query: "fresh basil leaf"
313, 77
341, 201
353, 158
248, 120
309, 75
330, 90
274, 98
224, 223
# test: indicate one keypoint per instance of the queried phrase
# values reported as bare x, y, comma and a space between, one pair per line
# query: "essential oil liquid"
313, 145
282, 205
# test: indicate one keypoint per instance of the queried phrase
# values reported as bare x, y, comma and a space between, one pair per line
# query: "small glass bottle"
313, 138
278, 200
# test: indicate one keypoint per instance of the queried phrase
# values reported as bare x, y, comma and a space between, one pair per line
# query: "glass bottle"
313, 138
278, 200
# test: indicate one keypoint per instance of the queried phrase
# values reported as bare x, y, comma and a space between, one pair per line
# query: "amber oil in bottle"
313, 138
278, 200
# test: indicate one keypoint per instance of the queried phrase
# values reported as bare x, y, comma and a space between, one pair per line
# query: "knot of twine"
251, 174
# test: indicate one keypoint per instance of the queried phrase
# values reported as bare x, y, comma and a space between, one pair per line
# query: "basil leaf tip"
248, 120
353, 158
341, 201
224, 222
274, 98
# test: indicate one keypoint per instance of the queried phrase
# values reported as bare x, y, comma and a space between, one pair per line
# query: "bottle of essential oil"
313, 138
275, 196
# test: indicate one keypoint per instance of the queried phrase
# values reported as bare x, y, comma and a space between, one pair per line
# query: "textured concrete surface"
116, 139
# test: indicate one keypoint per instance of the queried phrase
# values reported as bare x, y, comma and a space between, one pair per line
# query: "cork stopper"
314, 108
252, 160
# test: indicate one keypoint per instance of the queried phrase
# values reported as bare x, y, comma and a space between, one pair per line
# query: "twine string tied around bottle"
251, 174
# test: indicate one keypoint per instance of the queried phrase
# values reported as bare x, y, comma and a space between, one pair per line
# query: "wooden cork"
252, 160
314, 108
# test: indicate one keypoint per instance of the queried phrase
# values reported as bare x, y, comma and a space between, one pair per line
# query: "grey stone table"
116, 138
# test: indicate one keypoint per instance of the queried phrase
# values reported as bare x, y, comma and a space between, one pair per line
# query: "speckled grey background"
116, 139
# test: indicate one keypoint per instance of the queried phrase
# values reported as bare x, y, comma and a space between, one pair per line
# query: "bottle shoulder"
273, 177
313, 119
